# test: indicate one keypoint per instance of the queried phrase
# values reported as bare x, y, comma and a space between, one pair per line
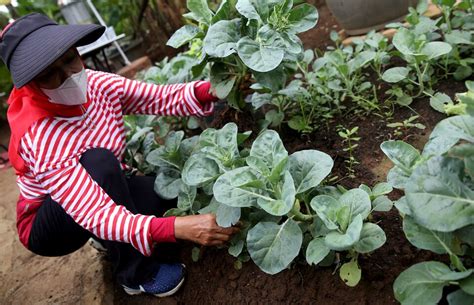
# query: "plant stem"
297, 215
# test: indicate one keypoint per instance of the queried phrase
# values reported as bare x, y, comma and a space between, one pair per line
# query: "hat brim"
45, 45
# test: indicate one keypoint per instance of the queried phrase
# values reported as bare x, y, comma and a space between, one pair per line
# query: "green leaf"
257, 56
195, 254
309, 168
223, 11
326, 207
186, 197
273, 80
361, 60
402, 206
466, 235
297, 123
395, 75
183, 35
366, 189
439, 100
404, 41
462, 72
274, 117
420, 284
168, 183
371, 238
403, 155
458, 37
316, 251
358, 202
236, 249
302, 18
199, 170
222, 80
221, 38
248, 9
341, 242
173, 141
470, 85
404, 100
258, 165
436, 49
259, 99
350, 273
448, 132
382, 188
200, 10
467, 284
432, 210
227, 216
174, 212
283, 205
273, 247
382, 204
269, 148
459, 297
211, 208
239, 188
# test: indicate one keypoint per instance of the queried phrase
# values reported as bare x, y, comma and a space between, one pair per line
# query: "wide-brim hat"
33, 42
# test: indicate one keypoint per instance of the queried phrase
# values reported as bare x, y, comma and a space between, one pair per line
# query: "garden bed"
338, 107
213, 279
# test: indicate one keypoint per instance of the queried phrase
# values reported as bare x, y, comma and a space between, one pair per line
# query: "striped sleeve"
69, 184
166, 100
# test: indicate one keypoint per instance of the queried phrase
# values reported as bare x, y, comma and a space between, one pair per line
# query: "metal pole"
102, 22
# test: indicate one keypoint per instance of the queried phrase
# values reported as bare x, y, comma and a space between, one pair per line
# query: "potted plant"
361, 16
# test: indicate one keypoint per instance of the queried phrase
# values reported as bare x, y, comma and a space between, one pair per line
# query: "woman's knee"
100, 162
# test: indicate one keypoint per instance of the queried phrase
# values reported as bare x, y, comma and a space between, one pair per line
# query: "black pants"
54, 232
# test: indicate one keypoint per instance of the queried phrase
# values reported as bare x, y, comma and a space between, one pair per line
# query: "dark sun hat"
33, 42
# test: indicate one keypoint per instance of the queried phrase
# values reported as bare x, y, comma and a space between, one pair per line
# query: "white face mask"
72, 92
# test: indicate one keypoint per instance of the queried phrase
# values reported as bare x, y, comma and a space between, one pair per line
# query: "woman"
67, 139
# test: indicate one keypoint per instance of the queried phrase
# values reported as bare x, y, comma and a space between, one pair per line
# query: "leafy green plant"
140, 141
403, 126
277, 198
350, 139
464, 102
420, 54
302, 103
343, 69
171, 71
244, 39
437, 210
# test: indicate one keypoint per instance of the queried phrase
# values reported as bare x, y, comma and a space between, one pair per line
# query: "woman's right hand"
202, 229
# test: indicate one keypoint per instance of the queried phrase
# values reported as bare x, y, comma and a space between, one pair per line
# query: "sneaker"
166, 281
96, 244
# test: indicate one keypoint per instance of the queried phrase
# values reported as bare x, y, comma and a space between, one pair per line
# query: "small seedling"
405, 125
350, 138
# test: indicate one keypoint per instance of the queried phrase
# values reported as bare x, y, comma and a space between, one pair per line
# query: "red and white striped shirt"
52, 147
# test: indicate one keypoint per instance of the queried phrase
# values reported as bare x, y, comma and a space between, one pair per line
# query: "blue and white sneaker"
167, 281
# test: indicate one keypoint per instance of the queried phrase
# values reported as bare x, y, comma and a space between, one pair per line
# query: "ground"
84, 277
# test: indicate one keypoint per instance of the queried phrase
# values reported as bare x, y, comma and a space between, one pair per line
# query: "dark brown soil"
214, 280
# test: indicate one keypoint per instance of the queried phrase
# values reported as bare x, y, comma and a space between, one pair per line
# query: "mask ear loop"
89, 121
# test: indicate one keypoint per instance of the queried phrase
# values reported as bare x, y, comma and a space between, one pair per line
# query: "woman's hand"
202, 229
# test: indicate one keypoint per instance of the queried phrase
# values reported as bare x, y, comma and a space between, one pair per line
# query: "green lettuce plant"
437, 210
279, 199
246, 40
